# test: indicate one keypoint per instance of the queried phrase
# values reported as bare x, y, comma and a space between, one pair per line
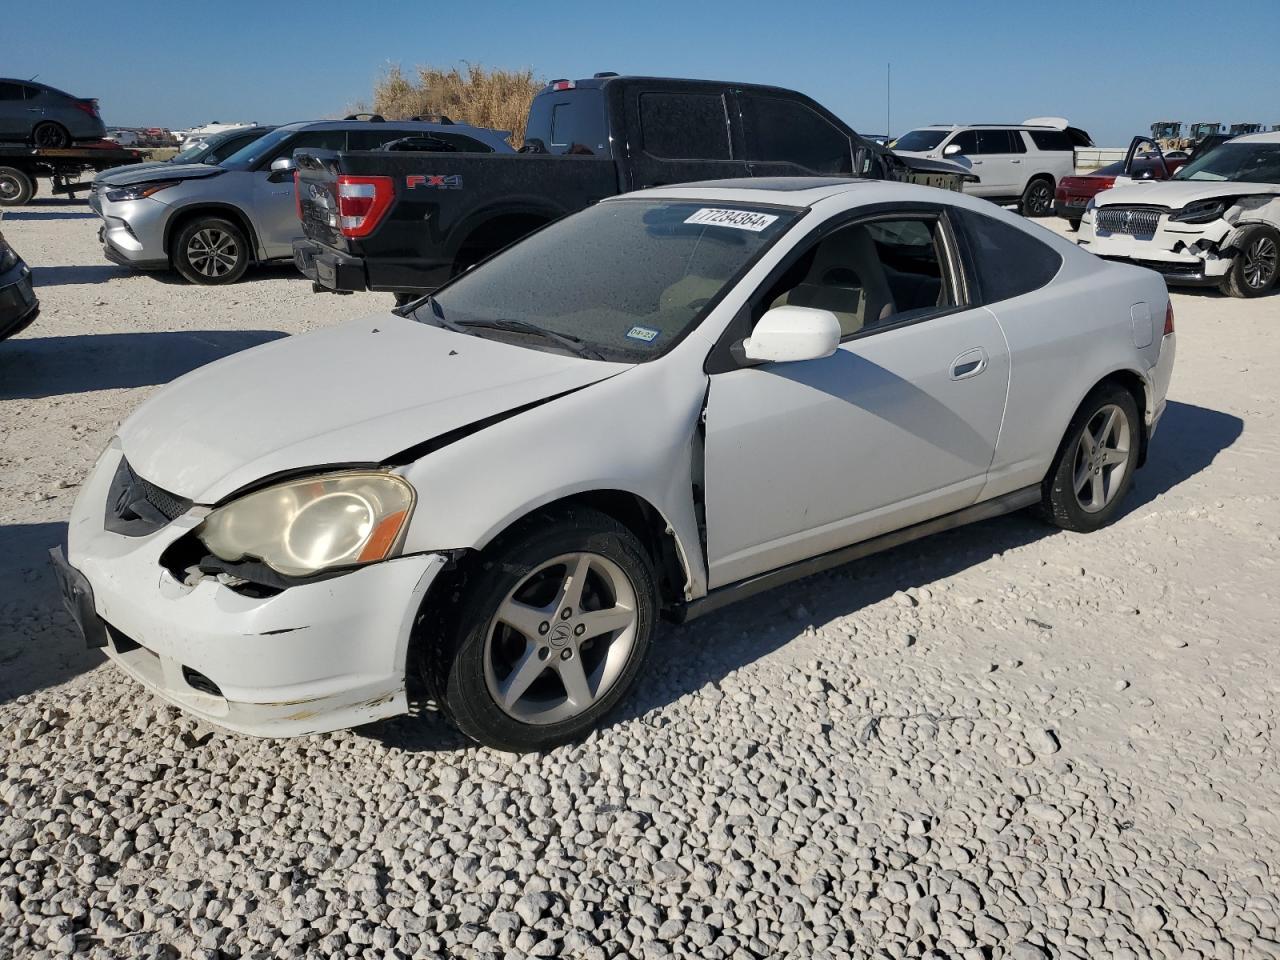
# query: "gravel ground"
1006, 741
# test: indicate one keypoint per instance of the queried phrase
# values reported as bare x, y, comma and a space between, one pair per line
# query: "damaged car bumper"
313, 657
1187, 254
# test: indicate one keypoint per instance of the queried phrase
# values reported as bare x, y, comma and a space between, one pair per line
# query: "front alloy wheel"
1256, 267
210, 251
547, 630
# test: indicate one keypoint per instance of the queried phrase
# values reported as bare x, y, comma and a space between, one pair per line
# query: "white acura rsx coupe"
666, 402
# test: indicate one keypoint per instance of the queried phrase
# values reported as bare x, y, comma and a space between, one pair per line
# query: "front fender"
632, 433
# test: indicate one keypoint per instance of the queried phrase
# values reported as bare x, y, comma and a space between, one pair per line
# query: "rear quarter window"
1006, 262
1051, 140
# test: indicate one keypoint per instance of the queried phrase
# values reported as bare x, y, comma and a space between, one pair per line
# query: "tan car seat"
846, 277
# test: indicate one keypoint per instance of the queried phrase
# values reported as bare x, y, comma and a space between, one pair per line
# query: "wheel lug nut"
543, 653
566, 613
566, 654
579, 630
543, 627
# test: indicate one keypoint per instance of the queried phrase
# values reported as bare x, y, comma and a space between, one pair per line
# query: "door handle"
969, 364
1017, 161
976, 162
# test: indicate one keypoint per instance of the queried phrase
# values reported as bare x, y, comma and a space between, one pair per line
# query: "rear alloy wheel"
211, 251
16, 187
1037, 198
550, 632
1256, 266
1095, 464
50, 136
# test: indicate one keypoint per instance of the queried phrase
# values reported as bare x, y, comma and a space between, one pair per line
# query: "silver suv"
1015, 163
210, 222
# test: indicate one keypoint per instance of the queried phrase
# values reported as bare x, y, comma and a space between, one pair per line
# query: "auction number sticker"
737, 219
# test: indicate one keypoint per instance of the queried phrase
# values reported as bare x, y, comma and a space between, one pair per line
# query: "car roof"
1271, 136
984, 126
418, 125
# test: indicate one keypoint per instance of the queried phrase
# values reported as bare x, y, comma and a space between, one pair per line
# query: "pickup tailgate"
435, 212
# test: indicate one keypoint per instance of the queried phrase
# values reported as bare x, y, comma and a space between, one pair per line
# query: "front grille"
137, 507
1131, 221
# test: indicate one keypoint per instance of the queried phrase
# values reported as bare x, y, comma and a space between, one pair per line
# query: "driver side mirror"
789, 333
281, 169
952, 150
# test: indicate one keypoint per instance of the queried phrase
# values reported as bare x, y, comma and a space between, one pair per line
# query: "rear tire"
48, 135
1255, 268
503, 668
16, 188
1037, 198
1090, 477
210, 251
1075, 223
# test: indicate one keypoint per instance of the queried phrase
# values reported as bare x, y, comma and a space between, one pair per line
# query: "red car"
1074, 193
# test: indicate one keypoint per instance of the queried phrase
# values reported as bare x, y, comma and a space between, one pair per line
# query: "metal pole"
888, 101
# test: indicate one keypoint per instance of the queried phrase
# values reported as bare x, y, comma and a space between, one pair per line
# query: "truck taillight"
1168, 319
362, 202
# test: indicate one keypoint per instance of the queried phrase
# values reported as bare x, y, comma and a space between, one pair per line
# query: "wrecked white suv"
1215, 223
669, 401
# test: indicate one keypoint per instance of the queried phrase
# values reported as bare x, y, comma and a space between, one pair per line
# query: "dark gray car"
44, 117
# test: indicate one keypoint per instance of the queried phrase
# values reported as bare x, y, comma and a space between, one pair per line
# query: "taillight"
88, 106
562, 84
362, 202
1168, 319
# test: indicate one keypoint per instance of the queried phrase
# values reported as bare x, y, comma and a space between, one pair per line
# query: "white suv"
1014, 163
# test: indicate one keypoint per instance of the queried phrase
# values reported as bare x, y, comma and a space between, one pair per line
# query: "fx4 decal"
433, 181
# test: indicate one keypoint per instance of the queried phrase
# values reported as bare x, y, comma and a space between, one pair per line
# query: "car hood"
111, 173
358, 393
922, 163
1178, 193
146, 173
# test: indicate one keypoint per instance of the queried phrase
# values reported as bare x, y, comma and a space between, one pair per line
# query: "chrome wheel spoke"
1114, 457
570, 597
574, 677
599, 622
527, 669
523, 618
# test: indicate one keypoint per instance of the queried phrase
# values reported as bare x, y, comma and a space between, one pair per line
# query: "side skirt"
733, 592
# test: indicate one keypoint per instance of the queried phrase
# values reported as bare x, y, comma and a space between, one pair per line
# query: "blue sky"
1111, 68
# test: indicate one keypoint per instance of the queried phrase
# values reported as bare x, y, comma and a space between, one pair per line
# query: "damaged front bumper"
315, 657
1184, 253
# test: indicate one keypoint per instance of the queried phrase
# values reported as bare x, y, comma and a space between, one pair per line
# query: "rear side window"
12, 91
1000, 141
570, 123
1007, 262
784, 131
312, 139
684, 126
1051, 140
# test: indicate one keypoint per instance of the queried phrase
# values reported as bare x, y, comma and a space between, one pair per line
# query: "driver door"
898, 426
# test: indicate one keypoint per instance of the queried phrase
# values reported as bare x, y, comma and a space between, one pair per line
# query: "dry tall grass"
486, 98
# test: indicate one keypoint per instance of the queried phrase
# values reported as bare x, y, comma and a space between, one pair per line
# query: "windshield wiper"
574, 345
436, 317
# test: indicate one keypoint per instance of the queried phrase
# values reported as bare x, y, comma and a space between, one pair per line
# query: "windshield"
1241, 162
921, 141
192, 152
250, 153
627, 278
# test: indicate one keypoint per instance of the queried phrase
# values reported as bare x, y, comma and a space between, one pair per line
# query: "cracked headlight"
139, 191
317, 523
1202, 211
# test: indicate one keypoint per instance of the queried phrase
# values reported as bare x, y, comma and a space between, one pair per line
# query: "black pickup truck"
408, 220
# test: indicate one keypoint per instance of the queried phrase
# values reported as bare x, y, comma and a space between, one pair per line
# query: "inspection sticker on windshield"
738, 219
647, 334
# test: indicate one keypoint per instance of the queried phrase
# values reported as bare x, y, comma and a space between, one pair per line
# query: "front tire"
549, 631
1075, 223
1095, 463
1256, 266
1037, 198
210, 251
50, 136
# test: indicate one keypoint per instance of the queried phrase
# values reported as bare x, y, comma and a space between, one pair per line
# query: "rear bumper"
328, 269
1068, 211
